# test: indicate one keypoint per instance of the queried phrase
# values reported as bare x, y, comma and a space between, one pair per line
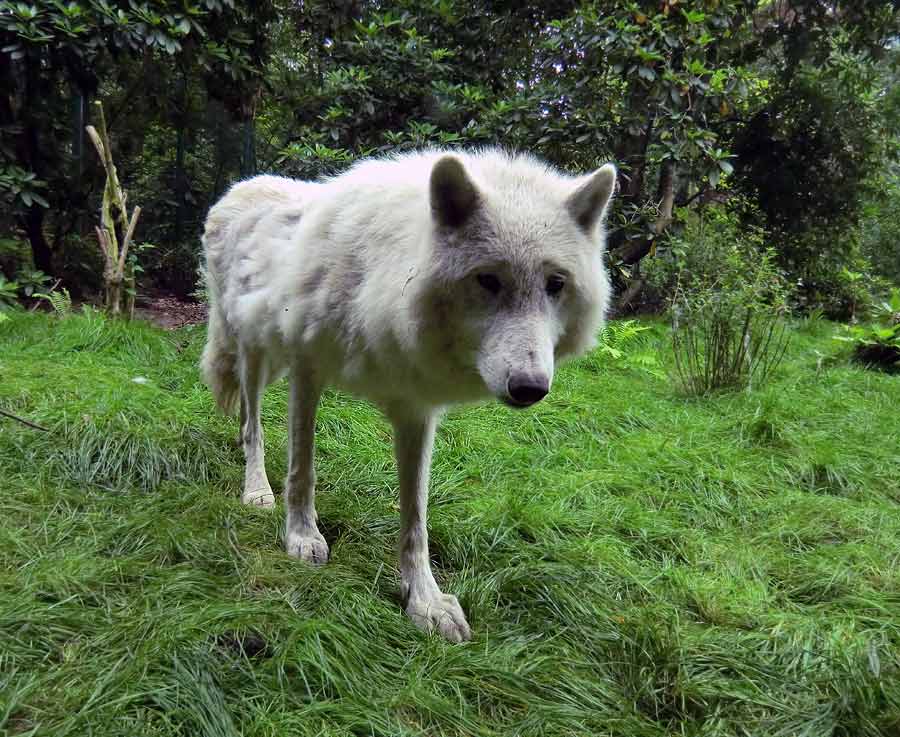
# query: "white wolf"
417, 282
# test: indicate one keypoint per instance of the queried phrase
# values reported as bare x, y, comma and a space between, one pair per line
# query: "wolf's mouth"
510, 402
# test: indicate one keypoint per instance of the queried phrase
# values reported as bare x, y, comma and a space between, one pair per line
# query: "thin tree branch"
127, 241
28, 423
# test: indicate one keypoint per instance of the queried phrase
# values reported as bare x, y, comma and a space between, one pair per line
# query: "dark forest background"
781, 114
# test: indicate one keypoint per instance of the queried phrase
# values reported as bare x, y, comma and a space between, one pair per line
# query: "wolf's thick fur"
417, 282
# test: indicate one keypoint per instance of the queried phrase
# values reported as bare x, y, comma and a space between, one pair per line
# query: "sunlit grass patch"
632, 561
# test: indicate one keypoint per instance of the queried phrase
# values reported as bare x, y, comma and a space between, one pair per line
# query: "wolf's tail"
220, 356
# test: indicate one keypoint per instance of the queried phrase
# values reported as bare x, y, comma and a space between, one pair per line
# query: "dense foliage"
878, 345
788, 102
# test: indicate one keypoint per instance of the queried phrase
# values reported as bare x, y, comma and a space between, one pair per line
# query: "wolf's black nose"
526, 389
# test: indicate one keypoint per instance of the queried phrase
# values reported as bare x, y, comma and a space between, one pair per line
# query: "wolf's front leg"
253, 383
425, 604
302, 537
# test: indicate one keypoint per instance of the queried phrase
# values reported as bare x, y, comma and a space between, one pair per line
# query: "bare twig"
136, 213
98, 144
37, 304
101, 239
25, 422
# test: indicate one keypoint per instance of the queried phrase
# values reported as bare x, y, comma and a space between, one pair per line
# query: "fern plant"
627, 343
60, 300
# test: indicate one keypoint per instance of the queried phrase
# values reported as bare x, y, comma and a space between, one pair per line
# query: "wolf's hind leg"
253, 383
302, 537
426, 605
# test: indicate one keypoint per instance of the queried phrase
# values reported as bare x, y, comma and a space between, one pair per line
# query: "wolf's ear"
454, 196
588, 202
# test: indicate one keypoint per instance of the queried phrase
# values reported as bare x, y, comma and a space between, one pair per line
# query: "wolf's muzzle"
523, 390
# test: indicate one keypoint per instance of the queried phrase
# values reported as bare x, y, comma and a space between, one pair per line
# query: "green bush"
880, 232
728, 302
15, 254
878, 345
33, 282
80, 264
702, 253
9, 293
841, 286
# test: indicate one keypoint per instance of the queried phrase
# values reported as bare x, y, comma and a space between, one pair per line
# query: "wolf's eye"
555, 285
489, 282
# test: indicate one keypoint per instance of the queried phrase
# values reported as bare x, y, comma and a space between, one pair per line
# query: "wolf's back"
228, 219
231, 228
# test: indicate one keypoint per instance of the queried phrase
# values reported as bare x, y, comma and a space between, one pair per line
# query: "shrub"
172, 267
201, 290
80, 264
15, 254
9, 293
721, 343
728, 304
880, 232
33, 282
701, 253
841, 288
878, 345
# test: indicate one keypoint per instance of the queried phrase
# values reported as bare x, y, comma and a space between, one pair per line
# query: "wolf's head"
519, 274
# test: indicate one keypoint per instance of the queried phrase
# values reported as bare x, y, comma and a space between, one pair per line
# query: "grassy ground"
632, 562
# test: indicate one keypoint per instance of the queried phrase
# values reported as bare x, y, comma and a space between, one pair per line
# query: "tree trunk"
248, 148
41, 253
78, 123
632, 292
180, 178
180, 188
29, 151
638, 249
117, 273
247, 113
633, 155
666, 196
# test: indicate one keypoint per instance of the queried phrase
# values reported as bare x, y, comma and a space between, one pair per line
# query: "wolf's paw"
262, 497
310, 546
440, 612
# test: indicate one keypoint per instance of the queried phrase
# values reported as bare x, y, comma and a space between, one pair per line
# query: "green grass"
632, 562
